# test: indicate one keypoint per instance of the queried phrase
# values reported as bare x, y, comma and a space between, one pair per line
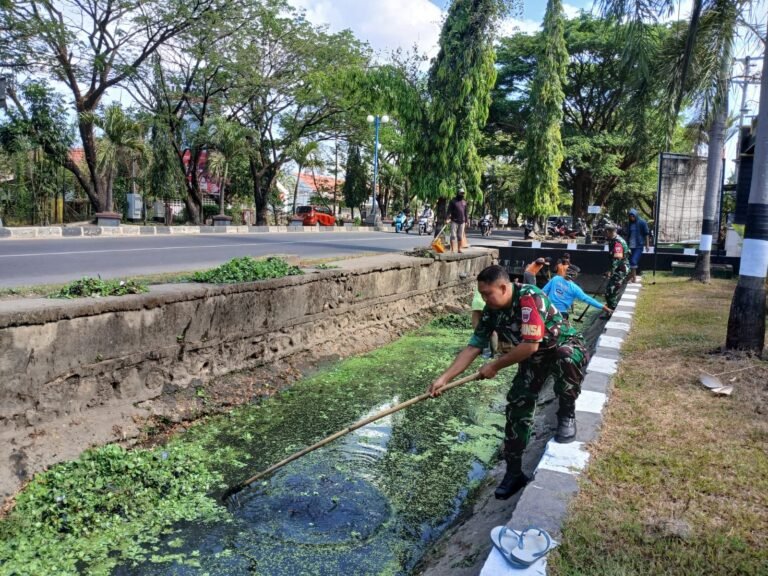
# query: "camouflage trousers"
615, 282
567, 363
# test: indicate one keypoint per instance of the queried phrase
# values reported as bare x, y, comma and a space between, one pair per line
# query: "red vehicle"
315, 216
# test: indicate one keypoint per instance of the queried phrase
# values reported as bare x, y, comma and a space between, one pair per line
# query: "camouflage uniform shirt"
619, 251
530, 318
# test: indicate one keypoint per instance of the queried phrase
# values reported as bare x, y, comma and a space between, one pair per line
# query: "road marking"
194, 247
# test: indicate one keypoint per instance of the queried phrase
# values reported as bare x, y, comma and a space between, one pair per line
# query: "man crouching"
533, 334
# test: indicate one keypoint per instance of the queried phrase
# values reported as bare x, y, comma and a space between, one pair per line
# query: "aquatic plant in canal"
368, 504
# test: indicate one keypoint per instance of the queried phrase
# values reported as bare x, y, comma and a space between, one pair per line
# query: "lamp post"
377, 121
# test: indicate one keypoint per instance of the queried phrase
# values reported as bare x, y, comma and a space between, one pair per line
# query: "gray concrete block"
544, 502
596, 382
162, 229
72, 231
92, 230
148, 230
587, 426
611, 353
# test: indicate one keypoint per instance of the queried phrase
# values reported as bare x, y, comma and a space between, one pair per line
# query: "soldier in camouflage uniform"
534, 335
617, 275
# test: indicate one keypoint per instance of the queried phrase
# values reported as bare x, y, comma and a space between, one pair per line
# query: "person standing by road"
617, 274
457, 214
563, 291
638, 238
532, 334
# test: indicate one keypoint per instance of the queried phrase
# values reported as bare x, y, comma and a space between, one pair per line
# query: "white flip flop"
521, 549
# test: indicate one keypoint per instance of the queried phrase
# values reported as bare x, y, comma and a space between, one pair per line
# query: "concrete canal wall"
85, 372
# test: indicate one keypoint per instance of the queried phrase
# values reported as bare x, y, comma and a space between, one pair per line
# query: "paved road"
31, 262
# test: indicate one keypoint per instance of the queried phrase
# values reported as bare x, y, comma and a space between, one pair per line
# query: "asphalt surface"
60, 260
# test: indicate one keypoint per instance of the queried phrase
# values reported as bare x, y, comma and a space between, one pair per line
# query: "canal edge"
544, 501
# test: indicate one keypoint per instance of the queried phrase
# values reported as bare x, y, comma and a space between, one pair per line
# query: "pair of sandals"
522, 549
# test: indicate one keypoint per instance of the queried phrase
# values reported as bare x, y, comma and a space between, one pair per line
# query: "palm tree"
122, 138
746, 322
306, 155
698, 64
229, 143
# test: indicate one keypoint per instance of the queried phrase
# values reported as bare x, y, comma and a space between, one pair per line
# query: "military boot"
566, 422
514, 479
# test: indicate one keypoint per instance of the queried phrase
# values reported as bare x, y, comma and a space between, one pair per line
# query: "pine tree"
459, 90
544, 145
355, 181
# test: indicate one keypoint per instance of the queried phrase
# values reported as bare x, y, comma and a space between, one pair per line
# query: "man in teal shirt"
533, 335
563, 291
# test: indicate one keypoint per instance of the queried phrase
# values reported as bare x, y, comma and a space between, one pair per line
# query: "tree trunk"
701, 272
746, 323
296, 188
263, 180
95, 191
194, 199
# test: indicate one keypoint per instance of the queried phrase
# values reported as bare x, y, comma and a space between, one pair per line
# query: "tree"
698, 63
122, 138
605, 146
292, 83
746, 322
356, 180
228, 140
544, 146
305, 154
459, 85
91, 47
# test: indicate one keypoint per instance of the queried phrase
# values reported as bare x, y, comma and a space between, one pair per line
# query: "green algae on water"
416, 466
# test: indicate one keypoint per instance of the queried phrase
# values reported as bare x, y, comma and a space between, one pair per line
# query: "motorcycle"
425, 225
528, 228
399, 222
408, 224
486, 225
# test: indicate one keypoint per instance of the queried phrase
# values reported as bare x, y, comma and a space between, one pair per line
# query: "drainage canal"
370, 503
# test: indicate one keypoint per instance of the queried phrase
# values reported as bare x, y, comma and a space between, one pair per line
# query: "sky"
390, 24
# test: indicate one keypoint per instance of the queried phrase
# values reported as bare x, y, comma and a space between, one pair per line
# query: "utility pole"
744, 81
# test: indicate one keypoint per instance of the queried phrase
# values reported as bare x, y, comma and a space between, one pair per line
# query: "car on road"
315, 216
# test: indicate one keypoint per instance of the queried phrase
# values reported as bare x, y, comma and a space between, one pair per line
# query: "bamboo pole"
359, 424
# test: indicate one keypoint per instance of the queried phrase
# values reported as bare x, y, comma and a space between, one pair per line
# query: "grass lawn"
678, 481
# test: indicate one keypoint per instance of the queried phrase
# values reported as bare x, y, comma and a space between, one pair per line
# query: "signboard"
593, 209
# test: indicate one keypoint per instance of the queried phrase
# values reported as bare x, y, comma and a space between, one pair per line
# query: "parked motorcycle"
399, 222
425, 226
486, 225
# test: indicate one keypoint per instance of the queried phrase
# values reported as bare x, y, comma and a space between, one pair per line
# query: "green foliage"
459, 94
247, 269
608, 140
453, 321
96, 288
110, 500
326, 266
356, 181
544, 146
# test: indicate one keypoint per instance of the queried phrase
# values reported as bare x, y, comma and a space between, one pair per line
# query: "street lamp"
377, 121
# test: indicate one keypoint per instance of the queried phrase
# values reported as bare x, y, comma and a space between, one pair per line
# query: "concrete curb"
544, 502
27, 232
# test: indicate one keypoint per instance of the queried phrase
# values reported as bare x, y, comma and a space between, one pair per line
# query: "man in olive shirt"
534, 335
457, 214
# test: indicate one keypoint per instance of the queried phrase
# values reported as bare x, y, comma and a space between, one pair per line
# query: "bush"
247, 269
96, 287
453, 321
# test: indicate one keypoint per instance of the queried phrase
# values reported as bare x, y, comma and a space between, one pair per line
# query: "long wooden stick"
359, 424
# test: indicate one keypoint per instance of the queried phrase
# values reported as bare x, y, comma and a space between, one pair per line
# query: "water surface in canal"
367, 504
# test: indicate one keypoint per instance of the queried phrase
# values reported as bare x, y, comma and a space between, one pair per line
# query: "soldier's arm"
518, 354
